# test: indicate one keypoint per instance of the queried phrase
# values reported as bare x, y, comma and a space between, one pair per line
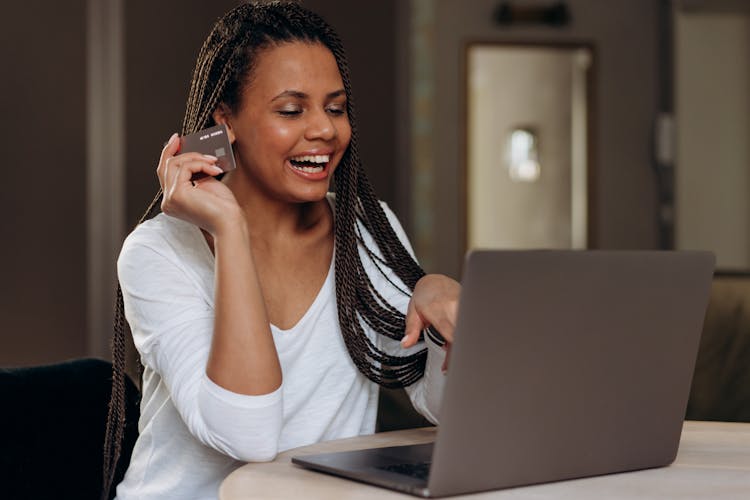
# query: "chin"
311, 195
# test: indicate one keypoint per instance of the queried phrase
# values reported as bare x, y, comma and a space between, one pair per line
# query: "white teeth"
310, 170
312, 158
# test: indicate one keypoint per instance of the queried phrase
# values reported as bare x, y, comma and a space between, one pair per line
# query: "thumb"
414, 326
172, 146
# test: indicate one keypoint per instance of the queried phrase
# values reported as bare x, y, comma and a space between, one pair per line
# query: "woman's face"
291, 128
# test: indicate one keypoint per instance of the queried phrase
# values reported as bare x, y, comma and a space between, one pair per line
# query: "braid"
115, 428
224, 63
358, 299
213, 101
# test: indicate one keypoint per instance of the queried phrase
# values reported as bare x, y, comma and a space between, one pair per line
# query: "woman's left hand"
434, 303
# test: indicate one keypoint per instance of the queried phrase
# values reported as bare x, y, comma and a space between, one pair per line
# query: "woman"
263, 307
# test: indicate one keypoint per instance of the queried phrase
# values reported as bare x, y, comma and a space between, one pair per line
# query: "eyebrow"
301, 95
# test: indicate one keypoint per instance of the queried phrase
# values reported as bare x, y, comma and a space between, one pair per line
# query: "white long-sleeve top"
194, 432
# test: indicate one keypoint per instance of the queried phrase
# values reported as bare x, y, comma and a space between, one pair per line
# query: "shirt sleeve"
425, 394
172, 327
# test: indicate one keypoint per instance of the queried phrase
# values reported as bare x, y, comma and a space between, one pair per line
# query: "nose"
321, 126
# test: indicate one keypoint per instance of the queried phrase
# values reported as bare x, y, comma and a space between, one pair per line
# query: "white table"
713, 463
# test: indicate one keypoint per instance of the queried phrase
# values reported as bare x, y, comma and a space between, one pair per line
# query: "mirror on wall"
528, 146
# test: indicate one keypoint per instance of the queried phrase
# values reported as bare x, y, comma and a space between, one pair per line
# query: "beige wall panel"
713, 136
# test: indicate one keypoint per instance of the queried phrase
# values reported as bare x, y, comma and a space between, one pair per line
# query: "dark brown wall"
162, 41
42, 192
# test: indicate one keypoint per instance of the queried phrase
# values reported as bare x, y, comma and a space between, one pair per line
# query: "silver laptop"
565, 364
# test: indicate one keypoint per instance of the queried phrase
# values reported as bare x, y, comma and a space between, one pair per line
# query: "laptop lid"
568, 364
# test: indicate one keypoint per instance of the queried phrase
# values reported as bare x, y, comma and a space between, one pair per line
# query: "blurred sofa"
52, 424
721, 382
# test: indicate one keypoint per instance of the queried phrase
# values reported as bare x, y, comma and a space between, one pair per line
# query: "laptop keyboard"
419, 470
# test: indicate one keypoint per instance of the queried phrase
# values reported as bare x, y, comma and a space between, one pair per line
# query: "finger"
445, 325
414, 326
201, 179
182, 168
442, 316
447, 359
170, 149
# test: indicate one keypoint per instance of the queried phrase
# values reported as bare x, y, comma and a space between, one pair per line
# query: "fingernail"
171, 139
217, 169
210, 157
403, 341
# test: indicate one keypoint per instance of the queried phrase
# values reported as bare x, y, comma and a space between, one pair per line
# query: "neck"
269, 217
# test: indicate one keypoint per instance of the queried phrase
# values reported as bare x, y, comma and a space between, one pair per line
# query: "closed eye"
336, 111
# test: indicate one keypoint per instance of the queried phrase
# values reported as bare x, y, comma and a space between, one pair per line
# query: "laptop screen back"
568, 364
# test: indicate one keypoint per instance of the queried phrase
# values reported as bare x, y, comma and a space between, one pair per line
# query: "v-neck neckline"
320, 297
322, 292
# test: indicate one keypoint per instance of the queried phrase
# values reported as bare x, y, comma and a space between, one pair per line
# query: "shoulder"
395, 223
161, 240
390, 215
158, 234
392, 219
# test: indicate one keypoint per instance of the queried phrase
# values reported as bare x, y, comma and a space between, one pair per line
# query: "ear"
224, 115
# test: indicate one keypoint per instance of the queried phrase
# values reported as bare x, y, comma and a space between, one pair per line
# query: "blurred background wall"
43, 188
408, 63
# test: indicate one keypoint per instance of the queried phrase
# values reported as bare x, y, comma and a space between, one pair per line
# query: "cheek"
274, 138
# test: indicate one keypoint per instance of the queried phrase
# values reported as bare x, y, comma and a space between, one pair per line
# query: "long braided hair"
224, 64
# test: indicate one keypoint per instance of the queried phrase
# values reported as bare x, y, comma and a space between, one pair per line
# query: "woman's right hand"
207, 202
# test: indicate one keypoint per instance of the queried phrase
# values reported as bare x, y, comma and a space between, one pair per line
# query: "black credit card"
212, 141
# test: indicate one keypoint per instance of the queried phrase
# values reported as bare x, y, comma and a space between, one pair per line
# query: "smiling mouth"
310, 164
